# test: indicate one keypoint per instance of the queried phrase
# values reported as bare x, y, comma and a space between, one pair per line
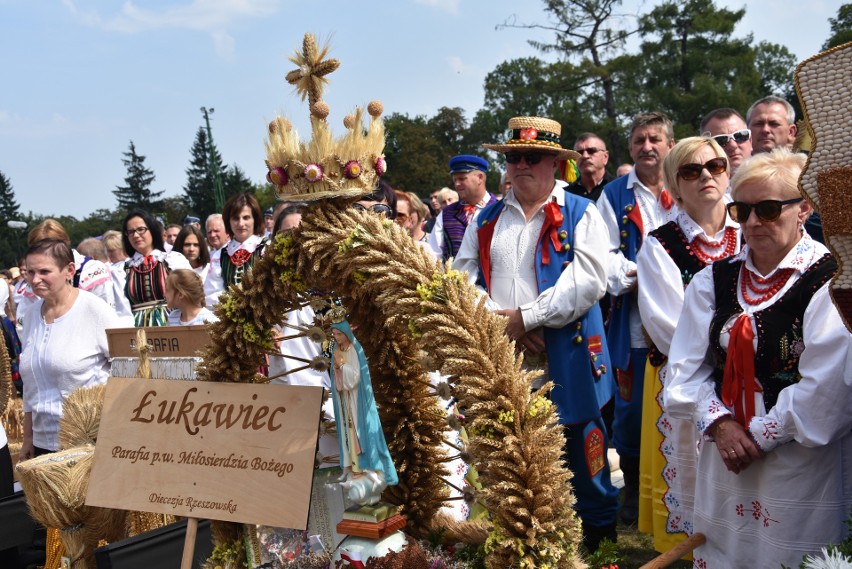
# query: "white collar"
138, 258
249, 244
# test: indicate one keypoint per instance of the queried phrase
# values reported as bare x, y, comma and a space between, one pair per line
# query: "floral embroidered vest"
779, 326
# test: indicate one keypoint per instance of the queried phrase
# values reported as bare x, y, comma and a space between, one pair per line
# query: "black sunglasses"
532, 158
739, 137
375, 208
767, 210
591, 151
693, 171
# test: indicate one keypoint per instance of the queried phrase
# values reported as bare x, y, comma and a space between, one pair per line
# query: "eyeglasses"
766, 210
401, 216
591, 151
138, 231
739, 137
532, 158
375, 208
693, 171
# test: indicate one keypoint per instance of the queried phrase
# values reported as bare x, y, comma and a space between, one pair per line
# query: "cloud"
457, 64
210, 16
449, 6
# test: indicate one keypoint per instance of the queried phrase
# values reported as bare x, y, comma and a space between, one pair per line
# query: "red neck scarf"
738, 383
550, 230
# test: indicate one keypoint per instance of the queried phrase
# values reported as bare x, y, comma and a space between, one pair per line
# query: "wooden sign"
224, 451
163, 341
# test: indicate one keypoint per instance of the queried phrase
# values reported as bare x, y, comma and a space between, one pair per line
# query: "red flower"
529, 134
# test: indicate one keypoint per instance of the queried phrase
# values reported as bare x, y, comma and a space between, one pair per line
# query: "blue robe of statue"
374, 454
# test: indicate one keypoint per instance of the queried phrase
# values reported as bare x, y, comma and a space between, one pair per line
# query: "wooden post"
189, 543
676, 552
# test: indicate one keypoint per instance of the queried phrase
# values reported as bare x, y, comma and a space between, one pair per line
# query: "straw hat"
534, 133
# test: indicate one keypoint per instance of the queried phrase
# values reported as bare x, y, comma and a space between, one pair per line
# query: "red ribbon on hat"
738, 383
552, 222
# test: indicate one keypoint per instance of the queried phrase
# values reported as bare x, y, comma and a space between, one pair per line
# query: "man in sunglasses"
468, 174
727, 127
592, 165
632, 206
539, 255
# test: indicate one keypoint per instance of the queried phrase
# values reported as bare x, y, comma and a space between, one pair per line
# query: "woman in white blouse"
65, 343
696, 172
245, 225
758, 362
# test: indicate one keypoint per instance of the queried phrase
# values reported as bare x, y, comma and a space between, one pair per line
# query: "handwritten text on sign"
224, 451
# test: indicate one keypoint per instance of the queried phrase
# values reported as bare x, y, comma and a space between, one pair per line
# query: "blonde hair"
780, 167
112, 240
188, 284
48, 229
447, 192
682, 153
418, 207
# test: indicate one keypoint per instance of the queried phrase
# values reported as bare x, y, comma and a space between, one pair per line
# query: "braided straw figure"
822, 83
402, 303
56, 484
7, 386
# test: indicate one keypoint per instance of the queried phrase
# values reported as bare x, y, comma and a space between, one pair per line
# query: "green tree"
417, 162
136, 193
591, 35
11, 238
235, 181
93, 225
200, 189
689, 64
841, 27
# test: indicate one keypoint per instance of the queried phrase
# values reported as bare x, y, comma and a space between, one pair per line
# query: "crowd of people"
680, 306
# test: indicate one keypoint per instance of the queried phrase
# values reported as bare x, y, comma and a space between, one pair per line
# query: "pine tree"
10, 238
200, 188
235, 181
136, 193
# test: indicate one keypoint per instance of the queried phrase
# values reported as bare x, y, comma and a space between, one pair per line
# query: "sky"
80, 79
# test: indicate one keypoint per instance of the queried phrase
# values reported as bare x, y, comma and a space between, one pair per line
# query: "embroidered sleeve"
814, 411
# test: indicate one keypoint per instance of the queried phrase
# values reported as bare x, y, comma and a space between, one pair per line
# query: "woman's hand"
734, 444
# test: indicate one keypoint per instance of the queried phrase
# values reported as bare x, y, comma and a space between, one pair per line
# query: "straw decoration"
403, 302
81, 417
7, 386
56, 485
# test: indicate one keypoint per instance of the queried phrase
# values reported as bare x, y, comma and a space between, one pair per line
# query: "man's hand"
530, 342
515, 326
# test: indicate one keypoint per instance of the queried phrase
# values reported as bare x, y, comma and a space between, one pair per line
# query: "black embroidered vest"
779, 326
673, 240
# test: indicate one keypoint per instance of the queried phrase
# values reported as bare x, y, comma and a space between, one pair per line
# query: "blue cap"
467, 163
268, 212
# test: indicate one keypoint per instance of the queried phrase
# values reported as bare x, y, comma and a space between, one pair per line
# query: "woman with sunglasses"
696, 173
759, 364
245, 225
147, 268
